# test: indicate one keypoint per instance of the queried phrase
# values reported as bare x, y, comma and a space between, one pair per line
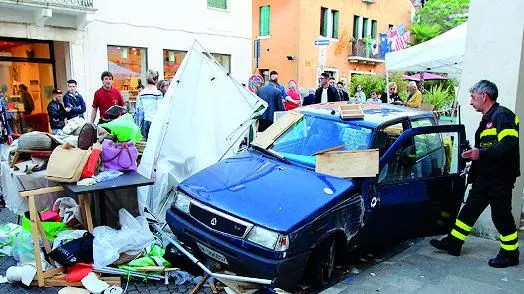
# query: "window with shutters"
356, 27
220, 4
329, 23
374, 29
324, 15
334, 23
365, 25
265, 19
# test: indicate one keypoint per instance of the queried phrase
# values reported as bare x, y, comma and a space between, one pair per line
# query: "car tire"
323, 263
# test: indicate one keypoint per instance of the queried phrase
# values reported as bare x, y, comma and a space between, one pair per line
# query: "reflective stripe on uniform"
462, 225
459, 235
509, 247
507, 132
488, 132
509, 237
516, 120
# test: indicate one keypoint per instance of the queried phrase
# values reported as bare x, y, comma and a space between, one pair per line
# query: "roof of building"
374, 115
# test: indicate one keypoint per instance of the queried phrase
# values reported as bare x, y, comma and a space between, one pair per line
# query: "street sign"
322, 52
322, 42
253, 81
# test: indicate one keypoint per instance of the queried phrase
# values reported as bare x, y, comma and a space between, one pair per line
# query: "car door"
419, 189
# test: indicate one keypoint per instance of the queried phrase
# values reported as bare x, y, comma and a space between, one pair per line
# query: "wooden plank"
329, 149
213, 287
33, 216
268, 137
200, 284
350, 111
54, 272
41, 191
85, 205
150, 268
239, 287
349, 164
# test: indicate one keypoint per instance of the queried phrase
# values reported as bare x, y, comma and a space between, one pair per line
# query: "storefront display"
173, 59
128, 66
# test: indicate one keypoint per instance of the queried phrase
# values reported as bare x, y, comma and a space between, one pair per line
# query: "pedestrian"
273, 78
332, 82
75, 105
27, 99
5, 138
393, 94
105, 98
494, 169
415, 96
56, 111
326, 92
375, 99
148, 100
162, 86
343, 95
273, 96
360, 96
292, 101
310, 98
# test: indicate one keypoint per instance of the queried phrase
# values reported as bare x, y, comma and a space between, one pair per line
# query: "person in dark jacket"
393, 94
27, 99
342, 92
494, 170
310, 98
73, 101
326, 92
56, 111
273, 96
5, 136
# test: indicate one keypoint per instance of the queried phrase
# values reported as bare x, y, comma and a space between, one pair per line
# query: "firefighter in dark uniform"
493, 172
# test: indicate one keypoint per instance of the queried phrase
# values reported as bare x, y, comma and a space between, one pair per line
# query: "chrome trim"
221, 214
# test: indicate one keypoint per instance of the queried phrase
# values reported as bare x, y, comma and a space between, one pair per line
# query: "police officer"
494, 169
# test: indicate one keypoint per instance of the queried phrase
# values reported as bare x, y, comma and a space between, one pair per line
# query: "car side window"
387, 135
427, 155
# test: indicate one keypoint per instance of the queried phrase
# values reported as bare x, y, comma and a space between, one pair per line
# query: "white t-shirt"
324, 98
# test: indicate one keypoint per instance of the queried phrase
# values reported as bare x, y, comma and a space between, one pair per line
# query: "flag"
392, 32
400, 29
385, 46
397, 43
374, 47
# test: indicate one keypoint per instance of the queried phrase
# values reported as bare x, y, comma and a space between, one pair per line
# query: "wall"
494, 51
304, 26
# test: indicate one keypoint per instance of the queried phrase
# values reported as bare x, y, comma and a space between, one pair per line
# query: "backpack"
87, 136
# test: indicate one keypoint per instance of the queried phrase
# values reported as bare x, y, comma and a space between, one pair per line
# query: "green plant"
422, 32
446, 13
369, 83
441, 97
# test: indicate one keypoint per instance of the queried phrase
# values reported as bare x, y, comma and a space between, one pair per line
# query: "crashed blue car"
266, 213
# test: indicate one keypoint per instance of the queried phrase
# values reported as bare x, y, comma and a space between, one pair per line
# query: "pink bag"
119, 156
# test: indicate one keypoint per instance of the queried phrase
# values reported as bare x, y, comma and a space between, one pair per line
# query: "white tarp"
202, 119
442, 54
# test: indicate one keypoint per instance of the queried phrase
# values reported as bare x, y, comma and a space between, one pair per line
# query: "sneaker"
504, 260
447, 244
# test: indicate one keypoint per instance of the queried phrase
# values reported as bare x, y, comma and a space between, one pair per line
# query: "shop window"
220, 4
129, 67
265, 20
224, 60
172, 61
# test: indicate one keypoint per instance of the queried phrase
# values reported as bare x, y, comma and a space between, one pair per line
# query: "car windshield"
312, 134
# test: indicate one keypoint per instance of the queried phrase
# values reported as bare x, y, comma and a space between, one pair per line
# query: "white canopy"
202, 119
442, 54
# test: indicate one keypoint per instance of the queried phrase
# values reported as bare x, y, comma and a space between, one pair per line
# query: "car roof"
374, 114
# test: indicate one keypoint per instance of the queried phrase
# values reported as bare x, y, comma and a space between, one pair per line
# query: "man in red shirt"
105, 97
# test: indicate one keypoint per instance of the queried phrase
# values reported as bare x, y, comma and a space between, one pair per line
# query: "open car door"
419, 189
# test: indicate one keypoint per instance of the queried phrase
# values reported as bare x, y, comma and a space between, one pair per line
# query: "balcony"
362, 53
60, 13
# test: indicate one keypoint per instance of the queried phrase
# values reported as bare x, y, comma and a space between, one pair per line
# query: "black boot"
2, 201
449, 244
505, 259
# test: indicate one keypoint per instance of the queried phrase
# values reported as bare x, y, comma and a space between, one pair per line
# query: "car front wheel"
323, 263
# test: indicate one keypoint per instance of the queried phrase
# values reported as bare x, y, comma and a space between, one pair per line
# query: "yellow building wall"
295, 25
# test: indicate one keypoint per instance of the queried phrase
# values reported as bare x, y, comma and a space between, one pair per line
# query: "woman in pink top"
292, 101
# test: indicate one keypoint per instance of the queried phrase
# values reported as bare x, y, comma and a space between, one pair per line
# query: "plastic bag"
22, 250
77, 250
66, 236
153, 256
51, 229
131, 239
124, 129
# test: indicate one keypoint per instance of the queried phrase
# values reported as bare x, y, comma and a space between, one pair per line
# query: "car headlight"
182, 202
269, 239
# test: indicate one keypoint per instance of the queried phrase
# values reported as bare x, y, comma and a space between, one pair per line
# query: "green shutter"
335, 24
365, 24
324, 21
374, 29
356, 27
265, 19
222, 4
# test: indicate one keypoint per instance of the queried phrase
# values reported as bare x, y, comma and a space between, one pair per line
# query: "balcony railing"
74, 4
360, 49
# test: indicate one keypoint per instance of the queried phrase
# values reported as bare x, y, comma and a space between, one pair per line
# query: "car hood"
264, 191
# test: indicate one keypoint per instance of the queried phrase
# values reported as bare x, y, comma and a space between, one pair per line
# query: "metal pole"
204, 268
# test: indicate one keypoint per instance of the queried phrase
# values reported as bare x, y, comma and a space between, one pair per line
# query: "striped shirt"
148, 100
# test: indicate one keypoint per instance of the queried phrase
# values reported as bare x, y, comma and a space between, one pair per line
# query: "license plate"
212, 253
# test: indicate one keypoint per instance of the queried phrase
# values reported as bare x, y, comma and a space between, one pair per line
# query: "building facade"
285, 34
43, 43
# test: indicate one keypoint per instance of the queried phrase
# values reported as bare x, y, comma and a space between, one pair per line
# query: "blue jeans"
145, 129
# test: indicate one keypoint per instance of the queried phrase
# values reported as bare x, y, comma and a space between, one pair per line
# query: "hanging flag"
392, 32
385, 46
374, 47
400, 29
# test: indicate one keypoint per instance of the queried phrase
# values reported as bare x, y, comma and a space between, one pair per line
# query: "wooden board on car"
349, 164
350, 111
267, 138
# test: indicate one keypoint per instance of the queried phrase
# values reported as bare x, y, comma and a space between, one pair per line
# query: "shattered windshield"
312, 134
